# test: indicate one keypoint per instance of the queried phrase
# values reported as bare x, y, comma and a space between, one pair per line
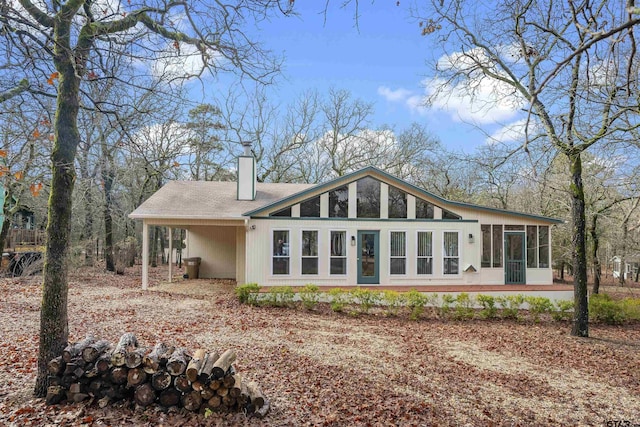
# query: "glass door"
515, 264
368, 257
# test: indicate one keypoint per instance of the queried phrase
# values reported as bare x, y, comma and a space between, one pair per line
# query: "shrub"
563, 310
604, 309
433, 302
280, 296
416, 302
248, 293
538, 306
445, 306
489, 309
393, 301
631, 307
339, 298
464, 306
511, 305
365, 298
310, 295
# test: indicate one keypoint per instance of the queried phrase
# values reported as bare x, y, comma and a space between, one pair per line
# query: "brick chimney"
246, 174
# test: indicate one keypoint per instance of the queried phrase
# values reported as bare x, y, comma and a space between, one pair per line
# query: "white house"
365, 228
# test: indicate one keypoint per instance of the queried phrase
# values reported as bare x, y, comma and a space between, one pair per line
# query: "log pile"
166, 375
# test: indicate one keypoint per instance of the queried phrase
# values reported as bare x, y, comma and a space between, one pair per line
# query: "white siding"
259, 248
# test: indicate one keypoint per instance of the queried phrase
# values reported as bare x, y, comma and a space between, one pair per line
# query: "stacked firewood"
166, 375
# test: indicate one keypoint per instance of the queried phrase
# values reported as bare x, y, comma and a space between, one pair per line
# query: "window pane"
425, 266
310, 208
338, 266
544, 246
424, 243
309, 265
339, 202
281, 243
424, 210
450, 243
451, 266
532, 246
486, 245
309, 243
514, 228
449, 215
397, 203
398, 266
497, 246
283, 212
398, 243
368, 198
338, 243
281, 265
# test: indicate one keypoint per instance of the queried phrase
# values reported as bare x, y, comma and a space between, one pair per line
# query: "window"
309, 252
497, 245
543, 246
486, 245
514, 228
449, 215
368, 201
339, 202
451, 252
283, 212
425, 252
338, 256
310, 208
424, 210
532, 246
397, 203
398, 252
281, 252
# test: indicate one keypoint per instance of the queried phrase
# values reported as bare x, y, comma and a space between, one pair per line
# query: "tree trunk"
595, 241
6, 224
581, 309
54, 317
623, 251
107, 178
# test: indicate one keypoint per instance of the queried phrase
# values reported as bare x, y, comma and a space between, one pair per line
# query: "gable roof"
388, 179
209, 200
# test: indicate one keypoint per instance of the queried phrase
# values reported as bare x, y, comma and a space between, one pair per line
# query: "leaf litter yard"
324, 368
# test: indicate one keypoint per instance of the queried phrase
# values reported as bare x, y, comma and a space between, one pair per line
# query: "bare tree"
571, 66
63, 43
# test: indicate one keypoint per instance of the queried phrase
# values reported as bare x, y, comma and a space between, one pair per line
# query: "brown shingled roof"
209, 200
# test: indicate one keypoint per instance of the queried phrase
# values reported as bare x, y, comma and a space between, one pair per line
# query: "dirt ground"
327, 369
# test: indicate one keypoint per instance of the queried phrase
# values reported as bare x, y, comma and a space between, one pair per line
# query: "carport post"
170, 257
145, 255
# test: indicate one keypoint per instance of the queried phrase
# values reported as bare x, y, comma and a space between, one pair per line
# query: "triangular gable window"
449, 215
286, 212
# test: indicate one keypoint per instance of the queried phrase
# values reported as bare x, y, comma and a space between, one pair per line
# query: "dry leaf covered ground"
322, 368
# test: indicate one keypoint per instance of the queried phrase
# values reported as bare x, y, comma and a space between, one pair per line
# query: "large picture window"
397, 203
339, 202
309, 252
425, 252
543, 249
338, 254
398, 252
451, 252
368, 190
497, 245
281, 252
486, 245
532, 246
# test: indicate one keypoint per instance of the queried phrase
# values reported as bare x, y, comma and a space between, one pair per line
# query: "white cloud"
412, 101
513, 132
398, 95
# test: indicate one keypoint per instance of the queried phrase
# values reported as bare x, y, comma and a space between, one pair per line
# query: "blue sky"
381, 61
